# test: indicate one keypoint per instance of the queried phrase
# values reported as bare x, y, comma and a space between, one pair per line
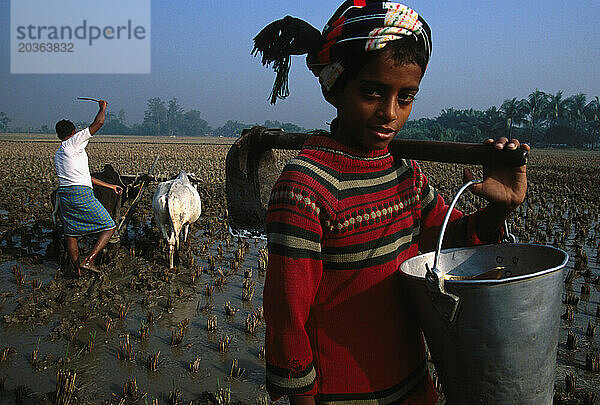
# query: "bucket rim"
492, 282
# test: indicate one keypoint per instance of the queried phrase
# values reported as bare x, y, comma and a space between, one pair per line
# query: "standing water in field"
140, 321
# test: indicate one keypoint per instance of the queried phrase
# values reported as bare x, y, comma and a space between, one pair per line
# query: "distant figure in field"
81, 213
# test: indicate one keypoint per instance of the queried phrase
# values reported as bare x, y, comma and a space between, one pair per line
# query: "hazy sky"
483, 52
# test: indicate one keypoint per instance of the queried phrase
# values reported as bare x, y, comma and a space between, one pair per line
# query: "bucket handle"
445, 302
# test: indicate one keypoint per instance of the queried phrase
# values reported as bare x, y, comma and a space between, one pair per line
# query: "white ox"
176, 205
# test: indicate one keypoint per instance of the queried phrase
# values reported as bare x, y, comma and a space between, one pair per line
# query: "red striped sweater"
340, 222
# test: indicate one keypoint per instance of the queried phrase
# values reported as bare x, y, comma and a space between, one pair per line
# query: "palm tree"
556, 115
449, 118
492, 122
514, 113
536, 104
464, 123
575, 106
592, 114
556, 109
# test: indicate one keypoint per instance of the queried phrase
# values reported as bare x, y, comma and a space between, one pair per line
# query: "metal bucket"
491, 317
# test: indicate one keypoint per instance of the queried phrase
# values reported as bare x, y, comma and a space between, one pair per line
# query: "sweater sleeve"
461, 230
294, 271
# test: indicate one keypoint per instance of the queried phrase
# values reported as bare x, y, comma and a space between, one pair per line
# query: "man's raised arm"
99, 120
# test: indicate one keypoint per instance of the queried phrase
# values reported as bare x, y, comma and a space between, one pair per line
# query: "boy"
80, 211
345, 213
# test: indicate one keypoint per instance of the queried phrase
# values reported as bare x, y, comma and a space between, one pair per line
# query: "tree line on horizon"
540, 119
160, 119
169, 119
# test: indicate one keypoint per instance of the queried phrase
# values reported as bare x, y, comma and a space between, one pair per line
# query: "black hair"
402, 51
64, 128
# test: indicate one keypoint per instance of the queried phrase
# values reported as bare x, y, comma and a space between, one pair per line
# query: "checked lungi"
81, 212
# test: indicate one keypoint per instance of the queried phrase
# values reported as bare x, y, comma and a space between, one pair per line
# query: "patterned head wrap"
357, 27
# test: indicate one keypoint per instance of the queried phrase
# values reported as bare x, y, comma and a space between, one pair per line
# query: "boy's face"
374, 105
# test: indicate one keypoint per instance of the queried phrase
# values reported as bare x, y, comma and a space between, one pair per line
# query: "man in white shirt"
81, 212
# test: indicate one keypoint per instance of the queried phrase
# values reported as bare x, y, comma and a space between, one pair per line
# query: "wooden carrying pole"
251, 169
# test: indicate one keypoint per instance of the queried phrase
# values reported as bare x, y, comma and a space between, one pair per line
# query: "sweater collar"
327, 142
335, 152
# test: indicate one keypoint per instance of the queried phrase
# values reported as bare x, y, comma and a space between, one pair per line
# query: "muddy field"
139, 333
